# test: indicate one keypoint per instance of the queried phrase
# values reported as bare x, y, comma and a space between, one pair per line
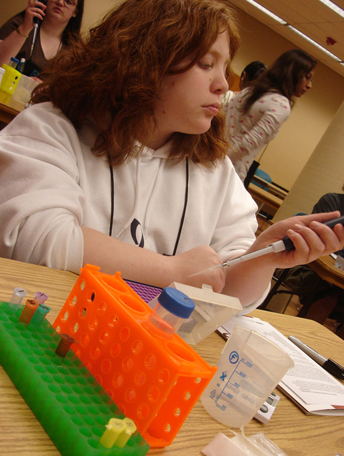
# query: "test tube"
28, 311
17, 297
123, 438
172, 309
39, 315
64, 345
21, 65
13, 62
114, 429
41, 297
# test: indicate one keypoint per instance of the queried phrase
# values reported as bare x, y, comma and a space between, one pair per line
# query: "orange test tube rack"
154, 380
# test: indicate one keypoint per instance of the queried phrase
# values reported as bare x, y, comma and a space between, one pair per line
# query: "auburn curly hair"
115, 75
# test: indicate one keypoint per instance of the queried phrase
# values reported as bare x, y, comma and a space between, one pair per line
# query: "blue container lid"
176, 302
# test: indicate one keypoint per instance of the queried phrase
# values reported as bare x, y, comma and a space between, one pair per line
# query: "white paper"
314, 389
222, 445
240, 445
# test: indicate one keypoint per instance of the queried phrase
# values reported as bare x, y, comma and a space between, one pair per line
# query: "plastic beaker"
249, 369
24, 88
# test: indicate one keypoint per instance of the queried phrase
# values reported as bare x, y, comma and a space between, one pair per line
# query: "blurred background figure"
249, 74
328, 301
59, 21
255, 115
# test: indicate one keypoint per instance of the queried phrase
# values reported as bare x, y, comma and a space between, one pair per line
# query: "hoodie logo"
136, 233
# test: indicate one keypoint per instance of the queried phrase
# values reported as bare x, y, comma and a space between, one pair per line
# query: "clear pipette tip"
278, 246
213, 268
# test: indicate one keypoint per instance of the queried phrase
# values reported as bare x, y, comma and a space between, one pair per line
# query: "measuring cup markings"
249, 368
233, 357
232, 385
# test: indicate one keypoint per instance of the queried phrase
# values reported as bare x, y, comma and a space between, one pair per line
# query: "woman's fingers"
315, 240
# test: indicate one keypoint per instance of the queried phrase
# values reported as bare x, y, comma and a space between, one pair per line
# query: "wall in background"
288, 153
323, 173
9, 9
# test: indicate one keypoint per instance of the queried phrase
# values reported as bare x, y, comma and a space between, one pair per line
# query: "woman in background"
255, 115
248, 75
328, 302
121, 160
61, 20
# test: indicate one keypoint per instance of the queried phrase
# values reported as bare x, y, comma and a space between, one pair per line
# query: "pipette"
36, 24
34, 37
278, 246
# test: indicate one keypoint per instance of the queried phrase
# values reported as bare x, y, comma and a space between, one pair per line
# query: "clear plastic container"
13, 63
172, 308
17, 297
250, 367
24, 88
211, 311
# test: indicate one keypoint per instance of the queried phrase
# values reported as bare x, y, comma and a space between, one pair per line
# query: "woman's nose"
220, 83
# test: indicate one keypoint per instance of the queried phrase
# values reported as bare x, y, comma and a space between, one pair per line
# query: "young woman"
255, 115
124, 166
61, 20
248, 75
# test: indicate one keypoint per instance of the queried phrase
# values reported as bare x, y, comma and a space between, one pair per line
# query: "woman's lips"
214, 109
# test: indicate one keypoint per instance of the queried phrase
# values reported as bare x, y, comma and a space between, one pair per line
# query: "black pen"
328, 364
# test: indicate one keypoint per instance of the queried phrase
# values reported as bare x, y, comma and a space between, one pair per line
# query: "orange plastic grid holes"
154, 380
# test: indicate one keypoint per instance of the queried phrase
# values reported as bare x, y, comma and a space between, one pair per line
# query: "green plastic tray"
67, 400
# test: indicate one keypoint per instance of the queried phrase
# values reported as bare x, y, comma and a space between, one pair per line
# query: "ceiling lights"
333, 7
328, 3
314, 43
266, 11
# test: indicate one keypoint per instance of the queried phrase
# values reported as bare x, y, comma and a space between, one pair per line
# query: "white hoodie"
51, 185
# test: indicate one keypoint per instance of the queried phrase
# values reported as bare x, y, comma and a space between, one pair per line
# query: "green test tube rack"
68, 401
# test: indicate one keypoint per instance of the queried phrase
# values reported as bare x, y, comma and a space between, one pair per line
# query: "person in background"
248, 75
255, 115
251, 72
61, 20
329, 300
123, 164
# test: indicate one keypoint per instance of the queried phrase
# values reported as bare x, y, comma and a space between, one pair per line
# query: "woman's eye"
205, 65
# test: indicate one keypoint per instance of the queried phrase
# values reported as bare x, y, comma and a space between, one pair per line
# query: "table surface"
326, 269
265, 197
294, 432
270, 187
9, 107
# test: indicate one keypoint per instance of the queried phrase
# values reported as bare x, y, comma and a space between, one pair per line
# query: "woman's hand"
34, 9
145, 266
195, 260
312, 239
310, 236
